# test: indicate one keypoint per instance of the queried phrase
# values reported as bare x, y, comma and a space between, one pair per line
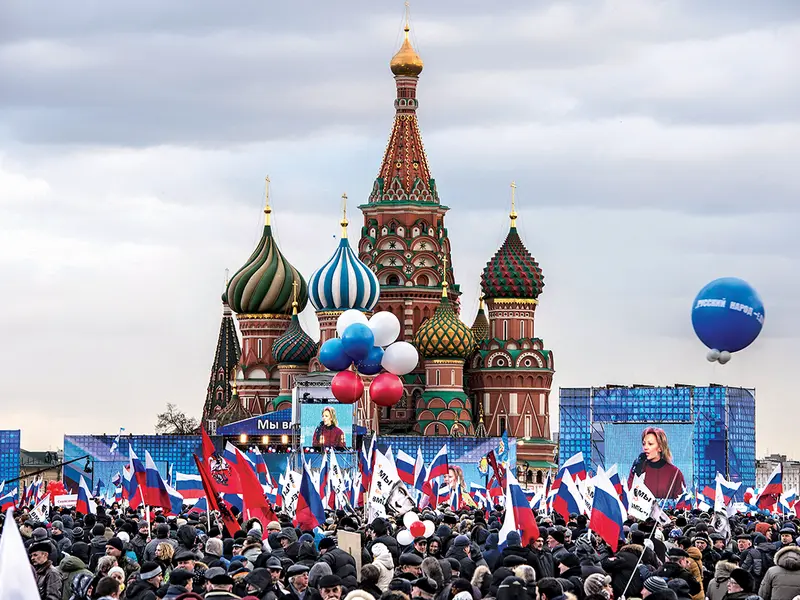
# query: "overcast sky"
655, 146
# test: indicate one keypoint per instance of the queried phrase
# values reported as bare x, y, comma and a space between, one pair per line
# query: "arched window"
260, 348
539, 477
393, 280
505, 329
422, 280
501, 425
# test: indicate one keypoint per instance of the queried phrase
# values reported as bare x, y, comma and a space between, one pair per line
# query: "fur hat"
744, 579
595, 583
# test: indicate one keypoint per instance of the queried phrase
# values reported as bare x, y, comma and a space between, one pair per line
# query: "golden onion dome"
406, 62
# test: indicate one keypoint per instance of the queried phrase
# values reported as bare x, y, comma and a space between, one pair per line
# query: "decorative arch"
455, 403
499, 359
436, 403
529, 360
447, 415
431, 429
422, 280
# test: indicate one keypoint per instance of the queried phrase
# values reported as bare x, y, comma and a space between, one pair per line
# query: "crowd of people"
116, 554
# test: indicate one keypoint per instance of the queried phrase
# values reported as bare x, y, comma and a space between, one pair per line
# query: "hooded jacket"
718, 586
383, 560
70, 568
621, 567
343, 565
696, 570
782, 582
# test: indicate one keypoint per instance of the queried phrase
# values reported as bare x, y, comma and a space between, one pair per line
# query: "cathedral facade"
487, 379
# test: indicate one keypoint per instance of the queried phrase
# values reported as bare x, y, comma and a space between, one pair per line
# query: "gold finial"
444, 276
267, 207
513, 214
234, 391
480, 302
343, 222
407, 28
294, 302
406, 62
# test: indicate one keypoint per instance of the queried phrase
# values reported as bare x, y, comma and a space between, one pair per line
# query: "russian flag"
189, 486
175, 501
773, 490
439, 465
84, 505
261, 466
155, 492
405, 467
575, 466
727, 488
619, 485
684, 500
709, 493
568, 499
365, 461
309, 512
8, 499
607, 513
200, 506
441, 492
420, 472
519, 516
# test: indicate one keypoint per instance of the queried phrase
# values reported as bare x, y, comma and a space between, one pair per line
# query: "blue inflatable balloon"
357, 341
333, 356
372, 364
727, 314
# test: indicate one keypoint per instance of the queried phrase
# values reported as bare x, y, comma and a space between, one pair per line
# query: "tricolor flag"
773, 490
420, 471
575, 466
190, 486
684, 501
309, 512
519, 516
115, 443
619, 485
155, 492
568, 499
405, 467
84, 504
607, 515
439, 465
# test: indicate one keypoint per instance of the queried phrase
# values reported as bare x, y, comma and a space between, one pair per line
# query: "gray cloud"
654, 145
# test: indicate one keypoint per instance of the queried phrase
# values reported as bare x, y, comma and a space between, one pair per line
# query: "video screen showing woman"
327, 434
661, 477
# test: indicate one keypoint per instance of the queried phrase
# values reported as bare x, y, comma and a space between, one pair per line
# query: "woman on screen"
327, 434
661, 477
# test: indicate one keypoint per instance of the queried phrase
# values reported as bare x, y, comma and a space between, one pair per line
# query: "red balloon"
55, 488
417, 529
347, 387
386, 389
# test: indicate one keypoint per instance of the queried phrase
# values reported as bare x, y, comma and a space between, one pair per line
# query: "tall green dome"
295, 346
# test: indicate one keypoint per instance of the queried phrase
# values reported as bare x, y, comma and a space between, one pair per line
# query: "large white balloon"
712, 356
724, 357
400, 358
404, 537
385, 327
349, 317
409, 518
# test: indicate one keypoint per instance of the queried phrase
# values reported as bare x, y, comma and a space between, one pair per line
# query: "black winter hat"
744, 579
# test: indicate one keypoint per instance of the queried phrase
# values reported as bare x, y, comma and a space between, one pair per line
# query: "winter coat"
97, 549
173, 591
543, 563
307, 555
672, 570
386, 567
343, 565
391, 544
491, 554
718, 586
756, 560
70, 568
696, 570
138, 544
782, 582
48, 580
365, 592
467, 564
620, 567
140, 590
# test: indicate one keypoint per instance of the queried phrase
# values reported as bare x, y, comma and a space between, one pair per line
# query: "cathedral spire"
226, 357
404, 174
513, 215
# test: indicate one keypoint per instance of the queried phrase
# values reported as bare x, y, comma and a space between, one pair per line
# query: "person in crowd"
782, 581
661, 477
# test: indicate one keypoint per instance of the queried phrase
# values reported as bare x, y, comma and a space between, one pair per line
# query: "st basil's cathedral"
483, 380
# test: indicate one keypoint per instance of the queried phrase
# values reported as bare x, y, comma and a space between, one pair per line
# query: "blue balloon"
372, 364
727, 314
357, 341
333, 356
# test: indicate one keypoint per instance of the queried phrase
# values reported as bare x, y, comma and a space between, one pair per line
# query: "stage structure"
710, 429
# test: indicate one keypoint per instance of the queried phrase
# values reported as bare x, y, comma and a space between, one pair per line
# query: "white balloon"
712, 355
724, 357
400, 358
385, 327
429, 529
404, 538
409, 518
349, 317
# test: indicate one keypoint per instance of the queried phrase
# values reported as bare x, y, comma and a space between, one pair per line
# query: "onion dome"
444, 335
406, 62
512, 272
344, 281
264, 284
480, 327
295, 345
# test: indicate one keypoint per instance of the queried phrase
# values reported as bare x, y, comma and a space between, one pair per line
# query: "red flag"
255, 504
212, 497
501, 480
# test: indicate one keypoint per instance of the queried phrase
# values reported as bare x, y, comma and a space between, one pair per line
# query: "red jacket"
664, 479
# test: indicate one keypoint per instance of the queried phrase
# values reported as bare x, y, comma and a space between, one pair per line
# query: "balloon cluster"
414, 529
370, 346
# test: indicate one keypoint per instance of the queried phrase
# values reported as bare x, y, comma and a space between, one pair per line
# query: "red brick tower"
404, 240
511, 372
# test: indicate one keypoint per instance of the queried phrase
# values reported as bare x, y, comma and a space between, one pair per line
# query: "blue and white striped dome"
344, 282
